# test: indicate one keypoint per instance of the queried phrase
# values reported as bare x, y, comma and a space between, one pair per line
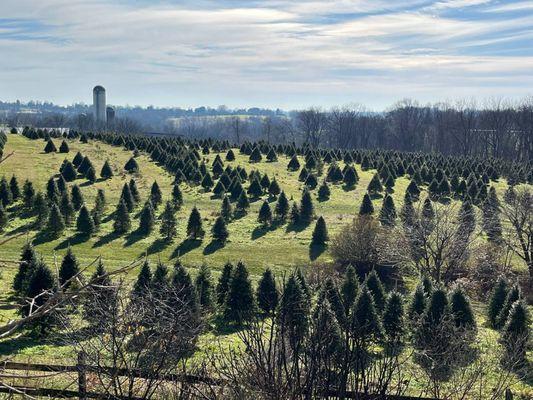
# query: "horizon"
186, 54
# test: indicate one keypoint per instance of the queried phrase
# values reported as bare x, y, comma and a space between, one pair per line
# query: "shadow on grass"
157, 246
222, 327
186, 246
375, 196
106, 239
348, 188
133, 238
20, 229
12, 346
77, 238
296, 227
85, 184
316, 250
260, 231
213, 247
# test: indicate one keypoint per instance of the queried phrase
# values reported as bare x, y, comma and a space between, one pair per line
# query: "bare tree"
312, 125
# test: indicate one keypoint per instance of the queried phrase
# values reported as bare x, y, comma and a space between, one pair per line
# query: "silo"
110, 113
99, 104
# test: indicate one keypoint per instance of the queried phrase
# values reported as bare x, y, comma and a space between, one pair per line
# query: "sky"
277, 53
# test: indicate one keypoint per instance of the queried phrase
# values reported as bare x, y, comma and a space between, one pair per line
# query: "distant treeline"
497, 129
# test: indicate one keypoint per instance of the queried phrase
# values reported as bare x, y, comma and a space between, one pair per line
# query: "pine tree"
393, 318
226, 211
185, 291
230, 155
134, 191
332, 295
496, 301
255, 190
365, 318
512, 295
256, 155
90, 175
100, 302
52, 192
27, 264
462, 313
207, 182
107, 171
69, 268
85, 223
41, 209
204, 287
323, 192
77, 197
144, 279
294, 311
28, 194
177, 197
417, 305
265, 214
428, 213
349, 288
239, 304
516, 333
14, 187
194, 225
374, 186
220, 231
243, 204
295, 214
69, 172
320, 234
294, 164
282, 207
122, 223
42, 280
387, 214
63, 148
56, 223
6, 197
50, 147
366, 206
99, 207
374, 285
147, 219
307, 210
437, 308
223, 283
267, 293
413, 190
274, 189
127, 197
159, 283
131, 166
350, 177
3, 218
77, 160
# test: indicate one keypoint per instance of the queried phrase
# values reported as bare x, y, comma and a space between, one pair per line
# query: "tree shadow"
108, 218
75, 239
296, 227
213, 247
223, 327
22, 228
157, 246
316, 250
133, 238
186, 246
349, 188
85, 184
376, 196
260, 231
106, 239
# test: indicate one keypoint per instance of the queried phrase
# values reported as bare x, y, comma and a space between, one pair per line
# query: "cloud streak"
276, 53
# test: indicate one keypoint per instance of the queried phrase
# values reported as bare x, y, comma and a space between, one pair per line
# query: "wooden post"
82, 378
508, 394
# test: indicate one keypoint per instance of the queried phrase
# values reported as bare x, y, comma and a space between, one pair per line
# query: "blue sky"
277, 53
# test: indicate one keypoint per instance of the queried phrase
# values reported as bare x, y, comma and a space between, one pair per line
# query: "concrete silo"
99, 104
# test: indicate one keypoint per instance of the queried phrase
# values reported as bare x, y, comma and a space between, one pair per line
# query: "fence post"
82, 378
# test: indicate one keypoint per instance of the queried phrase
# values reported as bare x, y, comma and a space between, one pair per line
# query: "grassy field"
280, 249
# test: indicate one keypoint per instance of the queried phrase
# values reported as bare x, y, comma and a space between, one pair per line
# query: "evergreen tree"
349, 288
239, 304
255, 190
323, 192
127, 197
90, 175
204, 287
6, 197
41, 209
63, 148
107, 171
387, 214
462, 313
28, 194
512, 295
350, 177
27, 264
437, 308
274, 188
155, 195
168, 222
102, 295
185, 291
366, 206
134, 191
294, 311
85, 223
265, 214
393, 318
282, 207
131, 166
50, 147
159, 283
52, 192
56, 223
14, 187
307, 210
220, 231
417, 305
99, 207
42, 280
67, 208
207, 182
374, 186
194, 225
374, 285
256, 155
77, 197
177, 197
147, 219
428, 213
294, 164
413, 190
243, 204
365, 318
267, 293
496, 301
69, 172
3, 218
223, 283
320, 234
516, 333
230, 155
122, 223
77, 160
226, 211
69, 268
143, 282
295, 214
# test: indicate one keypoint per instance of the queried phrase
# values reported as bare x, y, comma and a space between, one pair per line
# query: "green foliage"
294, 311
267, 293
393, 318
204, 287
194, 225
107, 171
282, 207
27, 264
146, 219
320, 233
143, 282
366, 322
56, 223
131, 166
366, 206
50, 147
77, 197
375, 287
265, 214
307, 210
496, 301
220, 230
69, 268
239, 303
349, 288
85, 223
387, 214
462, 313
122, 222
223, 283
512, 295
